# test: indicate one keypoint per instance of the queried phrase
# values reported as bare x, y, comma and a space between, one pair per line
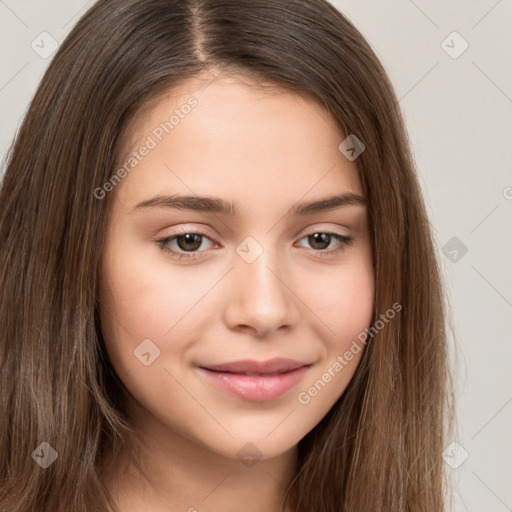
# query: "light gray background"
459, 116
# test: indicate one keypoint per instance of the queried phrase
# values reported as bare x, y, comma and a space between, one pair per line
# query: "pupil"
189, 239
320, 238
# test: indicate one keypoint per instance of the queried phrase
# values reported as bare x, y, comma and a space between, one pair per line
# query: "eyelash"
163, 244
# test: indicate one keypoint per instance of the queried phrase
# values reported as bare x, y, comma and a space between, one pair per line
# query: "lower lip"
260, 388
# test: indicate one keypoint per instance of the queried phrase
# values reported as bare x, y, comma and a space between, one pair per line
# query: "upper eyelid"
320, 228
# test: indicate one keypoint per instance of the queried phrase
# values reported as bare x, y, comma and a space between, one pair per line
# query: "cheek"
351, 307
149, 301
344, 309
137, 304
342, 300
148, 298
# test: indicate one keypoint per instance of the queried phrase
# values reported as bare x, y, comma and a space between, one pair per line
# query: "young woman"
218, 284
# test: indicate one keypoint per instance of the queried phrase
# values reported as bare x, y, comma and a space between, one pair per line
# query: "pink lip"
256, 381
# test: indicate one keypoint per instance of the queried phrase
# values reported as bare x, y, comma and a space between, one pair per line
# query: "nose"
260, 299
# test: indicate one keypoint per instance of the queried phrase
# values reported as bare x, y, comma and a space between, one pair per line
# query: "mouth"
256, 381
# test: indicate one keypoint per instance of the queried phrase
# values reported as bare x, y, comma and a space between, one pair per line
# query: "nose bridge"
260, 297
257, 266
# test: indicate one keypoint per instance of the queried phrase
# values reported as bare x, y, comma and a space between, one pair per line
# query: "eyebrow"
221, 206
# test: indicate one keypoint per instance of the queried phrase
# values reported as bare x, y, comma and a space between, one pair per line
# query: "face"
230, 293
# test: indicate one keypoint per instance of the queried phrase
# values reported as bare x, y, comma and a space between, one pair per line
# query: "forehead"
228, 135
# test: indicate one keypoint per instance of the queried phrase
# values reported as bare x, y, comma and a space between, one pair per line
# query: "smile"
257, 386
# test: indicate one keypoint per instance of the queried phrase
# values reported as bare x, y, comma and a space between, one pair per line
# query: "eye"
320, 241
184, 245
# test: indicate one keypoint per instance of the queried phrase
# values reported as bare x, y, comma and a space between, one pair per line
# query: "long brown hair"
379, 447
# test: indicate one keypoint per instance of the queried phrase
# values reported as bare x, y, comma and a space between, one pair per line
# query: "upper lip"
249, 366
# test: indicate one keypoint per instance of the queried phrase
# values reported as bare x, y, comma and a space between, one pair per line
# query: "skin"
264, 149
